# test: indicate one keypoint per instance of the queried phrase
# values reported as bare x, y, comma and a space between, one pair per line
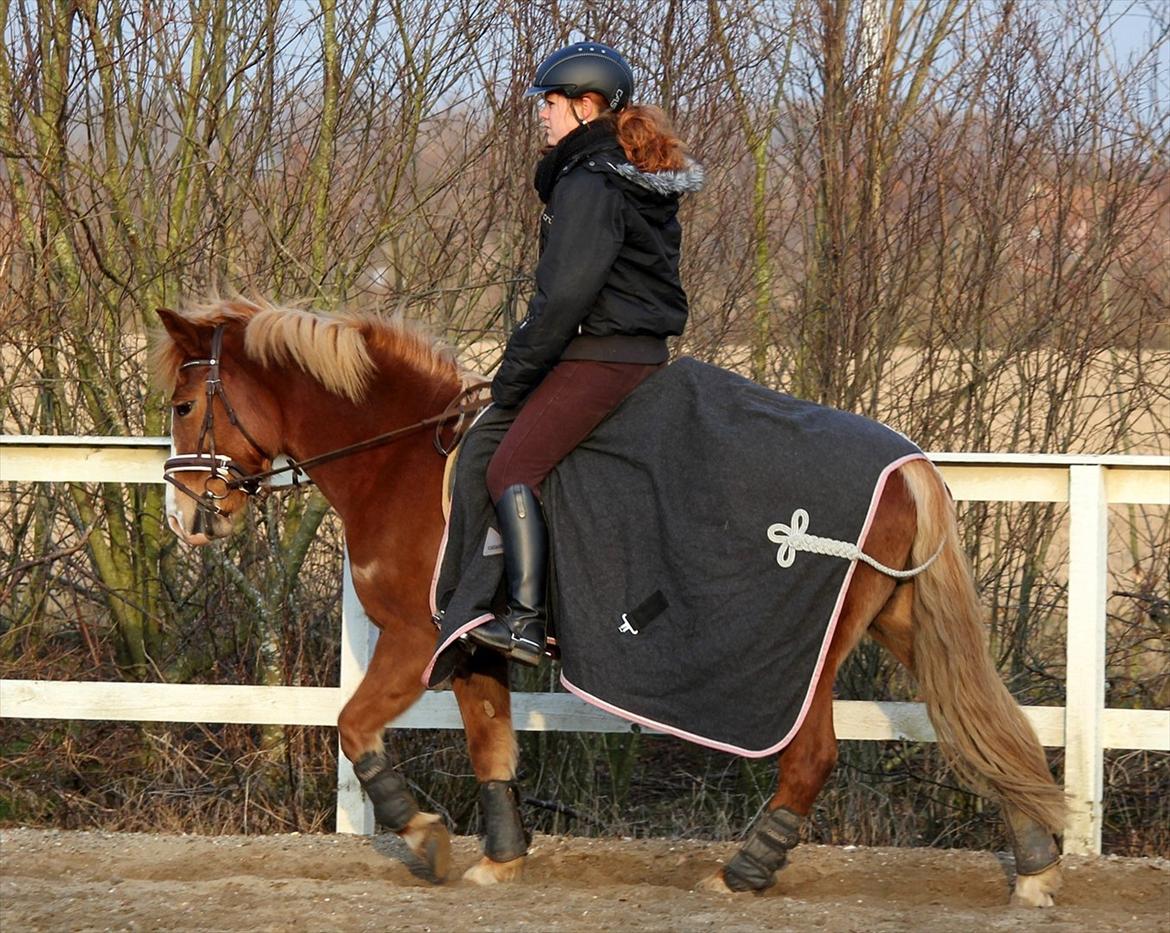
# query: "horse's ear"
183, 332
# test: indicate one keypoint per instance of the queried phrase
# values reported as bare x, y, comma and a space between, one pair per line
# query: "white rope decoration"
792, 538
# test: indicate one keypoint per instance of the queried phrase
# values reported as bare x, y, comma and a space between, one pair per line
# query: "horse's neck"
318, 422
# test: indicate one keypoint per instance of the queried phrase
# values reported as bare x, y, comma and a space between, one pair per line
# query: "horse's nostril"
199, 523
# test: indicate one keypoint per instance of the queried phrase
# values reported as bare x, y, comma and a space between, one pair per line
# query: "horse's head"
224, 419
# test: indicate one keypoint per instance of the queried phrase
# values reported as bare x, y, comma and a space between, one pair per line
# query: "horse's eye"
183, 409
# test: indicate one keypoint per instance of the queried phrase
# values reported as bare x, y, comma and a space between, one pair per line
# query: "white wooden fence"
1089, 484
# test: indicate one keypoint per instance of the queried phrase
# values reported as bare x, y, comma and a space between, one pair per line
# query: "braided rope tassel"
793, 538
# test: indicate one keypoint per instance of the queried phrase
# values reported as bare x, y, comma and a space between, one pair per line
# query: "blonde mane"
337, 350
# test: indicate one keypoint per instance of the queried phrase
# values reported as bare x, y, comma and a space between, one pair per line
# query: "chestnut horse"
250, 380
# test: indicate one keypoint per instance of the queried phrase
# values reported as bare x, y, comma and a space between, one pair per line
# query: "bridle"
225, 476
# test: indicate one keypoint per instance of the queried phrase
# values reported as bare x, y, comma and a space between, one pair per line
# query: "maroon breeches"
560, 413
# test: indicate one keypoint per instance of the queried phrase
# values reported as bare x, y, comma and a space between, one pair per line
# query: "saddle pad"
671, 606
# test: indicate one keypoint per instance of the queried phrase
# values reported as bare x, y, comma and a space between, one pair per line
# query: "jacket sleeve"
580, 248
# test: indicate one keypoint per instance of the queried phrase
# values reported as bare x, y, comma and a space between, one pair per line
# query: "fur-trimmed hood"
683, 181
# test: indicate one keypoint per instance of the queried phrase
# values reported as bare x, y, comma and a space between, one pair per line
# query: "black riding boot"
519, 632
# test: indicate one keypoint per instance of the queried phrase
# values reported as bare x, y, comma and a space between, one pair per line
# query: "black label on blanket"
647, 611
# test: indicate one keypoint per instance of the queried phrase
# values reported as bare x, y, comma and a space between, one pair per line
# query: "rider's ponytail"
646, 135
649, 140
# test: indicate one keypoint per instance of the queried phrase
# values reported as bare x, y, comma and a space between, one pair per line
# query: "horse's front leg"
392, 684
486, 707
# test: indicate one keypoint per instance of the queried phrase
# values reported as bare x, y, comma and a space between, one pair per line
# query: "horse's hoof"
714, 884
485, 871
1037, 890
430, 844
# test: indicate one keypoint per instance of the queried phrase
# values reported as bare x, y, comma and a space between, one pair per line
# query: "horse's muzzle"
193, 538
197, 527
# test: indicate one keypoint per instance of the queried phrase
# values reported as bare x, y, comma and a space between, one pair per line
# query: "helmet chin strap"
576, 116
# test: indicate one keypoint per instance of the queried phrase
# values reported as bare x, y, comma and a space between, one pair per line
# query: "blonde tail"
980, 728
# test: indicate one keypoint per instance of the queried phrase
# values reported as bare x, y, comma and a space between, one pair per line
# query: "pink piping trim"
879, 488
466, 627
438, 566
661, 727
478, 620
443, 543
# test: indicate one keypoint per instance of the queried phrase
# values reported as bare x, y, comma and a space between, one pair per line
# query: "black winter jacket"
609, 255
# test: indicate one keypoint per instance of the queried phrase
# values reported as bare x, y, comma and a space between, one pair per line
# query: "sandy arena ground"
110, 881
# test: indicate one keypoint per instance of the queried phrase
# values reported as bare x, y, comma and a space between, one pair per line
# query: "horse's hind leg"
1038, 874
389, 688
485, 703
808, 760
805, 765
945, 623
1038, 870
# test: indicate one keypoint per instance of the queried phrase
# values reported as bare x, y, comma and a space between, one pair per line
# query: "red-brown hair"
647, 136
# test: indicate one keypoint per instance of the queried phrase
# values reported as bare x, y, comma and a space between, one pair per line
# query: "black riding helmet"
585, 66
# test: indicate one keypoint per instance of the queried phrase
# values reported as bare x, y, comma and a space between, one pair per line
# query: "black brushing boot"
519, 632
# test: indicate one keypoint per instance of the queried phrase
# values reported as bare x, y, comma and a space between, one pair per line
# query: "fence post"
355, 814
1084, 760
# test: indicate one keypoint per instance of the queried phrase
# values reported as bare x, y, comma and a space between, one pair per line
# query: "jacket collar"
586, 140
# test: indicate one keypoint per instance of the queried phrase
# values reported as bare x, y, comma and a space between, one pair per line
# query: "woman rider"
607, 296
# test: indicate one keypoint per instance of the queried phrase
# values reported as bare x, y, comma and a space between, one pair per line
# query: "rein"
226, 476
451, 411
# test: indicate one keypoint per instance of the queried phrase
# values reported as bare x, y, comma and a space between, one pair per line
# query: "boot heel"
526, 653
528, 645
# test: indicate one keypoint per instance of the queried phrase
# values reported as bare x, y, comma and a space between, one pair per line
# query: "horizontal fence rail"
1084, 727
